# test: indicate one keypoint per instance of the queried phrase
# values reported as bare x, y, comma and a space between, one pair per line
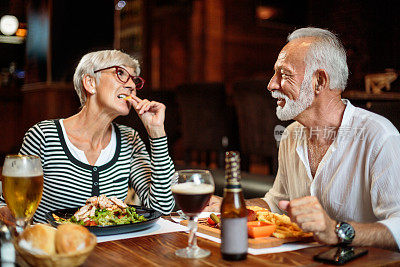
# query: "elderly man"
339, 168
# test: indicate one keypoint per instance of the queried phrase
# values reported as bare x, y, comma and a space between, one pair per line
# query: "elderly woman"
88, 154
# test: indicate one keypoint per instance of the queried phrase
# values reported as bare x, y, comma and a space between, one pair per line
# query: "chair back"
256, 111
206, 121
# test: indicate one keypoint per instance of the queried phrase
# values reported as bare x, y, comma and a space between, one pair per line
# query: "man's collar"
348, 113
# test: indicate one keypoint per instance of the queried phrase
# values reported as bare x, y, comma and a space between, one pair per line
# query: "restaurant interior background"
209, 61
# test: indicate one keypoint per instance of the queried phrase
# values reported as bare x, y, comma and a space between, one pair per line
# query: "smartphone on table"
340, 255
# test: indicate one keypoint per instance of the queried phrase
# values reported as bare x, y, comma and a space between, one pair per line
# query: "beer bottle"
233, 212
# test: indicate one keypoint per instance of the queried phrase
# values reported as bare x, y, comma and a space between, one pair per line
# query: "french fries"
284, 227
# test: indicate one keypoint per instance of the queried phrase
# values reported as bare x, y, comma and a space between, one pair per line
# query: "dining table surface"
158, 250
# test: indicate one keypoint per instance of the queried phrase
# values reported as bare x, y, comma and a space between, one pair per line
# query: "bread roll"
71, 237
40, 236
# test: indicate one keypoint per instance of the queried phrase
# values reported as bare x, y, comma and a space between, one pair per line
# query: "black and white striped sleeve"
151, 177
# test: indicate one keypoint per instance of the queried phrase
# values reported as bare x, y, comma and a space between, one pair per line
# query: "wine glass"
192, 191
22, 187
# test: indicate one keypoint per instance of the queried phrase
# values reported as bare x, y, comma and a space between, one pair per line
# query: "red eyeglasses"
123, 75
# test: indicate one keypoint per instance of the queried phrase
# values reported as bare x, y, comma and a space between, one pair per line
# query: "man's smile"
281, 102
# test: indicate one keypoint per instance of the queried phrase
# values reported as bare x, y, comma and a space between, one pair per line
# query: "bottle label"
234, 235
235, 190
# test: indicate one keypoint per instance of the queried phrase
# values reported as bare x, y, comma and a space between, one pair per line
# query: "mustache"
277, 94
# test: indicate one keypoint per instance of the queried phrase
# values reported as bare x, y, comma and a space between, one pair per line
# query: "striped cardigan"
68, 182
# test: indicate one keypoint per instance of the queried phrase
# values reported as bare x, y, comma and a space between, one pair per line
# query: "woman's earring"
93, 91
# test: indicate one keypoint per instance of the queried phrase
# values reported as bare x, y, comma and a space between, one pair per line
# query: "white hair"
326, 52
98, 60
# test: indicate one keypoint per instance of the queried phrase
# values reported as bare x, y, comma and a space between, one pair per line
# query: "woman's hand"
151, 113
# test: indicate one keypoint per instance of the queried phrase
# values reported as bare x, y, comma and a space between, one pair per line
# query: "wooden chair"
256, 111
206, 123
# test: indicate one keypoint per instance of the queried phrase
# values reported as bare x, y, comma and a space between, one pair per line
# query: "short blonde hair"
99, 60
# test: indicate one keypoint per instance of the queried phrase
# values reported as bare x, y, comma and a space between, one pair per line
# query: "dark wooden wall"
370, 31
209, 41
59, 34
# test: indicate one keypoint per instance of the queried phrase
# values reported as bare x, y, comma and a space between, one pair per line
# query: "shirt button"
94, 168
95, 183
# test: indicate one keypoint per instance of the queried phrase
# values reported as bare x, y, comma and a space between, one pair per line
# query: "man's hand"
308, 213
214, 205
151, 113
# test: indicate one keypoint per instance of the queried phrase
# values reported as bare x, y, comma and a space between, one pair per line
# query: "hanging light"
8, 24
120, 5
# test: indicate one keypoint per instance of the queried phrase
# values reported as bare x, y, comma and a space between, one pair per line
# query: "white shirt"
105, 156
358, 178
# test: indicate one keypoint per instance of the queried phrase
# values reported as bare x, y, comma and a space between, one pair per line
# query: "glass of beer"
192, 191
22, 187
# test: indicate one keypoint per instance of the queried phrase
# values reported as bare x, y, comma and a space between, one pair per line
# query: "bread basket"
58, 260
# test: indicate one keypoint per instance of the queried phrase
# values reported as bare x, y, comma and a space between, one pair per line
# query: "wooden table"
159, 250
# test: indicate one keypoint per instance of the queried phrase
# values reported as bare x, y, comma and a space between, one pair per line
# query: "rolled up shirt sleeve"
278, 191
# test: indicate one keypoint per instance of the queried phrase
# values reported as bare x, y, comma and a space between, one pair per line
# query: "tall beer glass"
22, 187
192, 191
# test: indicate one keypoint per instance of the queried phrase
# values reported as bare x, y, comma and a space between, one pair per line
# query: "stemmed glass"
192, 191
22, 187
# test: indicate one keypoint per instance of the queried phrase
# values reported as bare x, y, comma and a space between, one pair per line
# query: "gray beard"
293, 108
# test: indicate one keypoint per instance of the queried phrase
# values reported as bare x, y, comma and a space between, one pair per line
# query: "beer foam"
191, 188
21, 168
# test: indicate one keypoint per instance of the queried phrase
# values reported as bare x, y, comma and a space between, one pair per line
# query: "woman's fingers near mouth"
136, 98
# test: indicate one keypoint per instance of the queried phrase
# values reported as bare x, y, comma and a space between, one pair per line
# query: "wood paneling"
10, 121
168, 46
214, 40
210, 41
43, 101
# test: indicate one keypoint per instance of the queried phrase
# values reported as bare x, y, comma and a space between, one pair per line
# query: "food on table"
103, 211
284, 227
251, 215
42, 239
39, 239
71, 237
214, 220
260, 229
